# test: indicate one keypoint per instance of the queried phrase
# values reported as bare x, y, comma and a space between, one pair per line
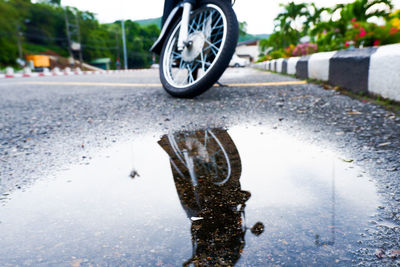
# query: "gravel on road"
46, 127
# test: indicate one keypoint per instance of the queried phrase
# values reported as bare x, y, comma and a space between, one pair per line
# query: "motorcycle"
196, 44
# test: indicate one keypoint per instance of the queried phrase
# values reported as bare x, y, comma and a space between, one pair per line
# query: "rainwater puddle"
249, 197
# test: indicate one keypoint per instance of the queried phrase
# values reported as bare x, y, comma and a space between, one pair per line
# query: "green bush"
352, 29
370, 34
277, 54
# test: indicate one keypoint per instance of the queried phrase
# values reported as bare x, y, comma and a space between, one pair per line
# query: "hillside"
157, 21
147, 22
253, 36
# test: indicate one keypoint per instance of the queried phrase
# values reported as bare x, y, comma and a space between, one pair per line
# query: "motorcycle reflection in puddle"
206, 167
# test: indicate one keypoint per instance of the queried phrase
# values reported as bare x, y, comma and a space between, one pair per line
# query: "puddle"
250, 197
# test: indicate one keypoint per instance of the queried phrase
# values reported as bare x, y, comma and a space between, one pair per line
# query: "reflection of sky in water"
300, 191
97, 214
289, 173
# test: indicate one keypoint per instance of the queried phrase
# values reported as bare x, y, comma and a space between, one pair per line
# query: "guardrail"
374, 70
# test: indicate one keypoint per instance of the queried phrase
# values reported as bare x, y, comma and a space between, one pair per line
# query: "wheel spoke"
216, 23
212, 45
191, 29
199, 21
191, 69
203, 67
206, 64
196, 66
178, 55
217, 42
212, 50
210, 22
206, 20
217, 152
218, 31
218, 27
191, 78
205, 58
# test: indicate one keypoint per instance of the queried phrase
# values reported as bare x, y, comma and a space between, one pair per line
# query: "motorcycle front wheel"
212, 39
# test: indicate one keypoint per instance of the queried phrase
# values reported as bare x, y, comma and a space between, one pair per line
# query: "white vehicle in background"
238, 62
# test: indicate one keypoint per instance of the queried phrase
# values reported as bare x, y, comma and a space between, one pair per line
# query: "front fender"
173, 17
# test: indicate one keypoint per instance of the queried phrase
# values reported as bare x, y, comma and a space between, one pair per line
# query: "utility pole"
73, 35
68, 33
19, 42
124, 44
117, 43
79, 40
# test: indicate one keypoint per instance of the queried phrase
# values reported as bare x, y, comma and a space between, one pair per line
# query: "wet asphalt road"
47, 124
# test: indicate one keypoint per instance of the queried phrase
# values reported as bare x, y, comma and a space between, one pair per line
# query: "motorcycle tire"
213, 33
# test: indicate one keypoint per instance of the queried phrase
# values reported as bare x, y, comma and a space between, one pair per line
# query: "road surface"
323, 170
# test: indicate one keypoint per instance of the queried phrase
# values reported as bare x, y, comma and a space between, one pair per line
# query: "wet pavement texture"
305, 205
321, 168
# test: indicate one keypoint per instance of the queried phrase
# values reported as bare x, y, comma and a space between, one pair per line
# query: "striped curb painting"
384, 72
374, 70
61, 73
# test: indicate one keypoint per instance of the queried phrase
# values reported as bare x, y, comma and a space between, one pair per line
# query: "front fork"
183, 33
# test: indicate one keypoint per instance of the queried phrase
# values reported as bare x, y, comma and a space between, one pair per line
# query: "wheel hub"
191, 52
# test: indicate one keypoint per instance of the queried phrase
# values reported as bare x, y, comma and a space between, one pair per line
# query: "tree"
287, 22
242, 29
8, 33
52, 2
314, 17
55, 2
361, 10
353, 28
289, 17
40, 27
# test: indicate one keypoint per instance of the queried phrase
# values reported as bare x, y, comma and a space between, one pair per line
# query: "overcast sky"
258, 14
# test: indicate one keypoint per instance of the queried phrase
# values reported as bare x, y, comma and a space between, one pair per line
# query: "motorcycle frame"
181, 10
183, 31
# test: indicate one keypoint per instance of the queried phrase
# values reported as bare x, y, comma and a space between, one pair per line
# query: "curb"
61, 73
372, 70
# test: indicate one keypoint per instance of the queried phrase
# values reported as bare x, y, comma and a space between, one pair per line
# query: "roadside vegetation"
303, 29
38, 28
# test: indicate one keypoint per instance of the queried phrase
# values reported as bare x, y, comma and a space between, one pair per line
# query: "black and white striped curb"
374, 70
61, 73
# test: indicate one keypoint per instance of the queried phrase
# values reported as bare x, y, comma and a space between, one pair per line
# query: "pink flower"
363, 32
347, 44
353, 20
377, 42
393, 31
